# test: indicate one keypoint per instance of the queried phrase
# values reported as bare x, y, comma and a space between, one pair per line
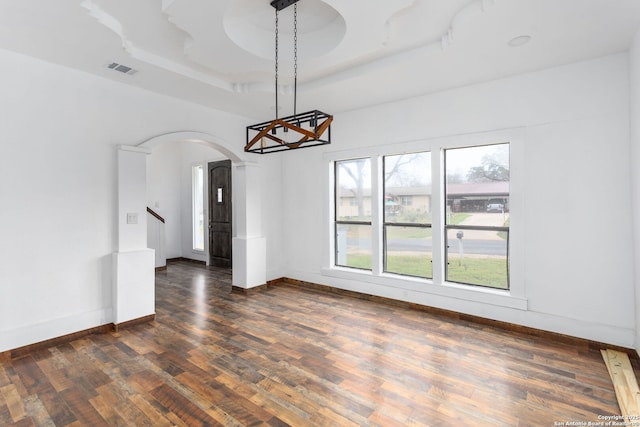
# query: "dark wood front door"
220, 213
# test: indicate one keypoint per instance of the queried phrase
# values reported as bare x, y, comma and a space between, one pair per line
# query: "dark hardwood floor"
295, 356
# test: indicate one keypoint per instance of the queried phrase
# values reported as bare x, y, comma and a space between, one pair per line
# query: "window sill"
497, 297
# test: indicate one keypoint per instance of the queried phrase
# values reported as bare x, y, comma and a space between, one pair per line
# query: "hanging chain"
276, 63
295, 58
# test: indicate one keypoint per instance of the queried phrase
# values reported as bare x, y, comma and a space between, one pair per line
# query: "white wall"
163, 193
156, 237
273, 212
169, 191
634, 67
58, 173
575, 230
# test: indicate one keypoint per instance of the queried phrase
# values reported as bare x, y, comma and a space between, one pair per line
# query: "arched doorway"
134, 263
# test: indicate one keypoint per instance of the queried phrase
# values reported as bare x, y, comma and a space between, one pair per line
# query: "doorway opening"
243, 232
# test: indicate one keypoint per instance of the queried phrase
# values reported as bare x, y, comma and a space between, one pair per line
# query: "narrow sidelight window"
197, 181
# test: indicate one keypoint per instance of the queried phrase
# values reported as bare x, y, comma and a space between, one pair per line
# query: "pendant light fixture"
307, 129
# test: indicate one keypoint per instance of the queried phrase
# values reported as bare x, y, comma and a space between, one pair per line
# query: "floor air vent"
122, 68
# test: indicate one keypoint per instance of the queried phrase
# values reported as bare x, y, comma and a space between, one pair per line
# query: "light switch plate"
132, 218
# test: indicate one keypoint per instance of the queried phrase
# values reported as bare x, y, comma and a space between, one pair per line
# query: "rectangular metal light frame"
319, 121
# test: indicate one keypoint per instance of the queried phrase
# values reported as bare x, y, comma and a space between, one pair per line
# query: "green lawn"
359, 261
472, 270
410, 264
479, 271
476, 271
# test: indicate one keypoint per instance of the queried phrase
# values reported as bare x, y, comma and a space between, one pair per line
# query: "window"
406, 200
407, 225
197, 181
353, 220
477, 218
393, 221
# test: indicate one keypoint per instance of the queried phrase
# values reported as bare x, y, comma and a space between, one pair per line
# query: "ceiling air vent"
122, 68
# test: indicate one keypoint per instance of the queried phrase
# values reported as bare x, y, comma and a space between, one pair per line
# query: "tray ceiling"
351, 53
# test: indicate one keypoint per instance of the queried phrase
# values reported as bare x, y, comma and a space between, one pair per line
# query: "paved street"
474, 241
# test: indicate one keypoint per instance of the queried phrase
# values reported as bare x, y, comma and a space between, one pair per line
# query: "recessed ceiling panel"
251, 26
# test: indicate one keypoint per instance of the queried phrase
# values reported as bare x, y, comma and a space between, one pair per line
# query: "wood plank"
153, 414
85, 413
4, 378
114, 401
182, 407
56, 408
106, 410
9, 396
32, 377
624, 382
25, 422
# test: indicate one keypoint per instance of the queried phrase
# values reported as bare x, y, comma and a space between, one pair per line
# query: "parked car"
495, 207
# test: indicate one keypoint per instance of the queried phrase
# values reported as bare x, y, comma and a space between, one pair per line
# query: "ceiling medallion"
307, 129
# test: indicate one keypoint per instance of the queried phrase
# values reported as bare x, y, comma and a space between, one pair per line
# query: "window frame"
338, 222
448, 227
415, 289
386, 224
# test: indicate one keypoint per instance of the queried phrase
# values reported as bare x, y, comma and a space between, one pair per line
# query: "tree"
396, 175
455, 178
357, 176
493, 168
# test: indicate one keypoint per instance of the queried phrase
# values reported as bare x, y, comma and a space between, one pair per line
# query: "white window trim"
515, 297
